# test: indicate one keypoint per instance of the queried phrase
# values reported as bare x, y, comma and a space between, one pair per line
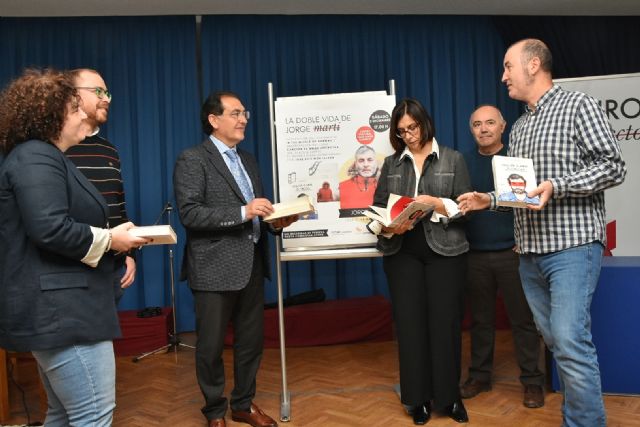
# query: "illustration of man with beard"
518, 191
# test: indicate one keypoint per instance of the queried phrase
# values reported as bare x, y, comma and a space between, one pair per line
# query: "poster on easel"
331, 148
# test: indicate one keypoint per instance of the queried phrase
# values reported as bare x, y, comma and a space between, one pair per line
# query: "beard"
369, 173
99, 115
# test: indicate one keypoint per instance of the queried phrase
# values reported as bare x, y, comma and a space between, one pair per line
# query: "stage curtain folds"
149, 64
159, 71
450, 64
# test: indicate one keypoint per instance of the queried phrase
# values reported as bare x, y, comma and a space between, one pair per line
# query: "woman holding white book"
425, 264
56, 251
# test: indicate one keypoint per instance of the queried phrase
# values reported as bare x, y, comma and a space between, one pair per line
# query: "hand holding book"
287, 212
514, 178
401, 213
544, 192
400, 228
156, 234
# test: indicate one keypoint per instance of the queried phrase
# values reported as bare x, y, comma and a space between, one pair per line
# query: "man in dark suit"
220, 202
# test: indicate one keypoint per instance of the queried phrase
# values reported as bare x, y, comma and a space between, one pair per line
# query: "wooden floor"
345, 385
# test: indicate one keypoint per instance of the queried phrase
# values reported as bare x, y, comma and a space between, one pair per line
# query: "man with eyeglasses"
492, 265
99, 161
221, 202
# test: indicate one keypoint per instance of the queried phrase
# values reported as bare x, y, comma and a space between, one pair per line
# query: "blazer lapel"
218, 162
88, 186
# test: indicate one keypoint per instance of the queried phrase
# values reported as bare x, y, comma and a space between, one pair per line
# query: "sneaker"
472, 387
533, 396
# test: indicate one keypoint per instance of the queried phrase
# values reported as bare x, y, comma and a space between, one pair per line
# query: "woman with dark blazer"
425, 263
56, 251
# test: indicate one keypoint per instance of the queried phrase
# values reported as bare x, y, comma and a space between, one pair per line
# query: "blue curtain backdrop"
451, 64
149, 64
581, 45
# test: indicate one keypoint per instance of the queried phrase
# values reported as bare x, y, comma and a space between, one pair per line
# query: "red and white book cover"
399, 209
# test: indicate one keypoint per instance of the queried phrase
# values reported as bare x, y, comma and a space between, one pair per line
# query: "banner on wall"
331, 148
619, 96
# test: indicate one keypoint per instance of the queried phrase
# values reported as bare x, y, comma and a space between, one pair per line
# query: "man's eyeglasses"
236, 114
100, 92
400, 132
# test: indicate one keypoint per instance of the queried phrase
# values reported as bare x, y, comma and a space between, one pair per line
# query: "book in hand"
513, 178
161, 234
399, 209
299, 206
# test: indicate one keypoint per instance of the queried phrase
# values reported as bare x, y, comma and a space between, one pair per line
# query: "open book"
513, 178
399, 209
161, 234
299, 206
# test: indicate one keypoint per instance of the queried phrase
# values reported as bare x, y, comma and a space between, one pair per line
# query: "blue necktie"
247, 192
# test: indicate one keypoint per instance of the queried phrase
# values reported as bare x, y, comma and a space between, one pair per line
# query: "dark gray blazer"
444, 176
48, 298
219, 251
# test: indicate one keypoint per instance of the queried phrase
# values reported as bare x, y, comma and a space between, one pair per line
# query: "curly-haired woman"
56, 251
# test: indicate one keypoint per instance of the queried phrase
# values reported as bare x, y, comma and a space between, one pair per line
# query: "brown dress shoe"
472, 387
254, 417
533, 396
218, 422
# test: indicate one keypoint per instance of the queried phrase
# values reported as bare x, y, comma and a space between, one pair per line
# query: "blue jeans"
559, 287
80, 382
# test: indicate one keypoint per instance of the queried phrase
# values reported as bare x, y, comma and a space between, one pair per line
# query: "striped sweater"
98, 160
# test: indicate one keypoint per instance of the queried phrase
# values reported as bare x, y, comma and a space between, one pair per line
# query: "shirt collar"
435, 150
221, 146
544, 99
95, 131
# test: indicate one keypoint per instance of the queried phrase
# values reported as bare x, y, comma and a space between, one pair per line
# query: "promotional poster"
331, 148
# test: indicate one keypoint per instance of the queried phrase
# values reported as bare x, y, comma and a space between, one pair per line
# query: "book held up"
513, 179
299, 206
399, 209
161, 234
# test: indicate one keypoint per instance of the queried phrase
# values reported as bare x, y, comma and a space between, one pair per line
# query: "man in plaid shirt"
561, 240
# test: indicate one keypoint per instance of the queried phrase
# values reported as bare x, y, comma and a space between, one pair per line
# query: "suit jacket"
48, 298
219, 250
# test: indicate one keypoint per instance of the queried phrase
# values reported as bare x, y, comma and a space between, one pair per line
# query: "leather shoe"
254, 417
457, 412
472, 387
533, 396
421, 413
218, 422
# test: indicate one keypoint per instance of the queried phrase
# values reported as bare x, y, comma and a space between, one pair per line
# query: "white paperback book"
161, 234
299, 206
513, 179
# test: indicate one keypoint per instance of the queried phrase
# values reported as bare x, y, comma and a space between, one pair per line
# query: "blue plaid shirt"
572, 145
